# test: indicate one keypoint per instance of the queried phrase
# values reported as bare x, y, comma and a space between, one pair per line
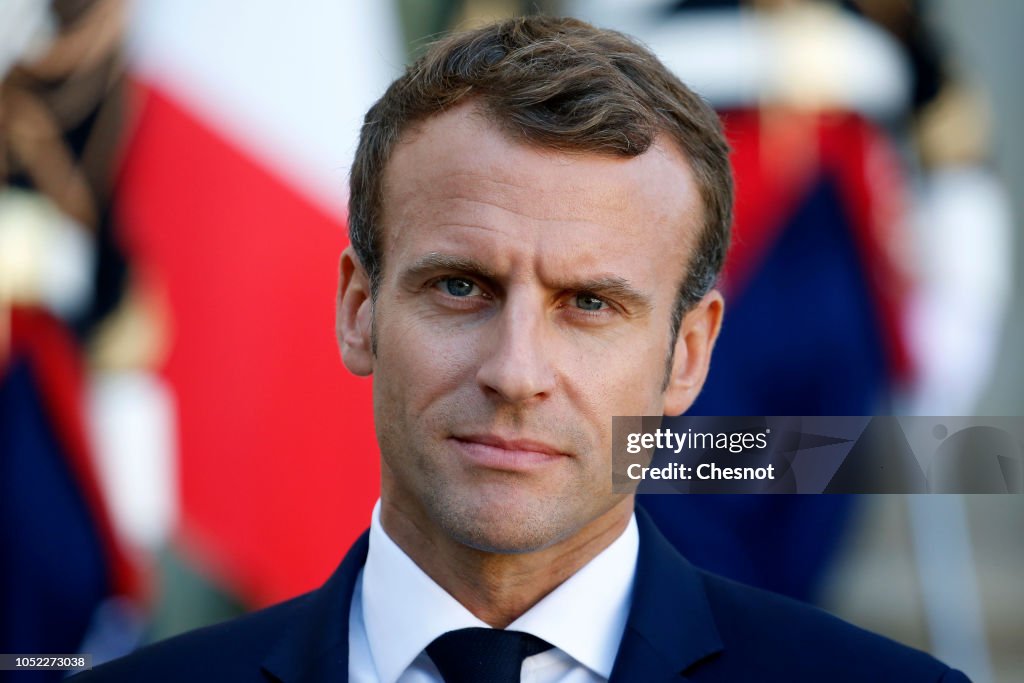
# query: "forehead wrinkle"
565, 224
574, 203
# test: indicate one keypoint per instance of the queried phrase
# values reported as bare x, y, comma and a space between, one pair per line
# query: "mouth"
513, 455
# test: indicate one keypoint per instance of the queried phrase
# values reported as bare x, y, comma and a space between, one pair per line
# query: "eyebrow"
435, 261
611, 286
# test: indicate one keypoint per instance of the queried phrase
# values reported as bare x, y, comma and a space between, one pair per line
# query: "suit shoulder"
784, 637
227, 651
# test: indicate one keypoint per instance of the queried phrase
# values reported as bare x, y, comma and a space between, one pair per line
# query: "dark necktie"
483, 655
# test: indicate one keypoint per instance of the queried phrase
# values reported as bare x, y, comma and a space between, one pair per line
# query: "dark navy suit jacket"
684, 625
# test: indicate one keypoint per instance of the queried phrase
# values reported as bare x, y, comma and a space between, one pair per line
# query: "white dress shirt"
397, 610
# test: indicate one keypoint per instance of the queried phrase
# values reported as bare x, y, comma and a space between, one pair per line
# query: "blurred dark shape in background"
65, 572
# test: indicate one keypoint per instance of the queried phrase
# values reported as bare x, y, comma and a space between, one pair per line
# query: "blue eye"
457, 286
589, 302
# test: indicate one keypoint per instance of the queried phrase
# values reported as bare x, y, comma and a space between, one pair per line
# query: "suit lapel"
670, 626
315, 646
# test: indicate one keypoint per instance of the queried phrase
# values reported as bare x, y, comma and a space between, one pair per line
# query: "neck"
498, 588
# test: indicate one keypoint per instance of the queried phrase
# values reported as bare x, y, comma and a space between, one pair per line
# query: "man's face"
526, 299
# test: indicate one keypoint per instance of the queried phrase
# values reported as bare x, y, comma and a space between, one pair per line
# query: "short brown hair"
560, 84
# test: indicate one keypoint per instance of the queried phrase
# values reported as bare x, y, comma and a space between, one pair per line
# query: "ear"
353, 321
697, 335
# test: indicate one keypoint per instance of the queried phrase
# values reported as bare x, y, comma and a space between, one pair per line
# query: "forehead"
458, 179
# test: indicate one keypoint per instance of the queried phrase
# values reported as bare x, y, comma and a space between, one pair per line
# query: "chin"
505, 527
503, 541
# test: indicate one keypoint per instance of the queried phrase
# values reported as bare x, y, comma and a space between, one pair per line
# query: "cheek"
600, 387
418, 362
622, 376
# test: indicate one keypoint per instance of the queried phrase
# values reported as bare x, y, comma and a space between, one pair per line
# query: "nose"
516, 359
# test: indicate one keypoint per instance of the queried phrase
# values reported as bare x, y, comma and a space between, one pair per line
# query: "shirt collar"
404, 610
586, 615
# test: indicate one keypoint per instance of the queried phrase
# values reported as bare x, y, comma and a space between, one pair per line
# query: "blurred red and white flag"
233, 191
